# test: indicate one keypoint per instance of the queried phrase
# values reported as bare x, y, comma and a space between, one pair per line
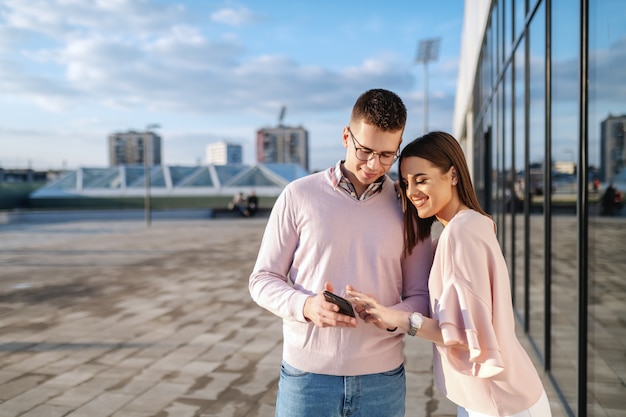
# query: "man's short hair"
380, 108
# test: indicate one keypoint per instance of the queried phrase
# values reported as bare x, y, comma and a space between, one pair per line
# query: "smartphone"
344, 306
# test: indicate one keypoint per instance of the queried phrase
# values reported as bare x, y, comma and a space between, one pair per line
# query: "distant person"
252, 204
239, 203
596, 184
329, 230
478, 361
609, 200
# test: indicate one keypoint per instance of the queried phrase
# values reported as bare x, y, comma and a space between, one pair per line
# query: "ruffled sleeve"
465, 319
465, 304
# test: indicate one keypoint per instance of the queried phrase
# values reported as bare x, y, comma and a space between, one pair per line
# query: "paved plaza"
114, 318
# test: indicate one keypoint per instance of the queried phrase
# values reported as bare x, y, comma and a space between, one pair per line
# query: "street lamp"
427, 51
147, 141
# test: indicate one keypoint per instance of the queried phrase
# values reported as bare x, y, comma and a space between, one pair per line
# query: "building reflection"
541, 116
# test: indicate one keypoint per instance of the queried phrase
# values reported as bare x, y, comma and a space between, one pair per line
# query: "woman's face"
432, 192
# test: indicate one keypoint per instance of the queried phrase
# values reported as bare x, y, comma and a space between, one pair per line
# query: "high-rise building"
283, 144
224, 153
131, 147
613, 151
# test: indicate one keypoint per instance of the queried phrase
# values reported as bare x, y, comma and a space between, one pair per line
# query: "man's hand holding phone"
344, 306
327, 309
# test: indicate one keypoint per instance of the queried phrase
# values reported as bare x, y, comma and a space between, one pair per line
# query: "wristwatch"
415, 323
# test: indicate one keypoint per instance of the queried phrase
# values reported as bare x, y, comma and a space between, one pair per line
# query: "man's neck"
358, 187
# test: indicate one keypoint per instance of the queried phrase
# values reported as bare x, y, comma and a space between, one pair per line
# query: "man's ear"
345, 136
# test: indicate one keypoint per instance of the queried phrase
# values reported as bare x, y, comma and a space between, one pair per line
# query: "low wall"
56, 216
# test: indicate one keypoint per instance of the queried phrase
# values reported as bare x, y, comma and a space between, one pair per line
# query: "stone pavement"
117, 319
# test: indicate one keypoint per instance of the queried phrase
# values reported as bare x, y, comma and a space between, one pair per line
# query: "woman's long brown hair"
443, 151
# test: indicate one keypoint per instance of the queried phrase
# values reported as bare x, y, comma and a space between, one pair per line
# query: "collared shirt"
316, 235
340, 180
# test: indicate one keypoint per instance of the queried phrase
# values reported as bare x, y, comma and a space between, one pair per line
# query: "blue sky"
74, 71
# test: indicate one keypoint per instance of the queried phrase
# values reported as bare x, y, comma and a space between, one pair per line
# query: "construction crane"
282, 115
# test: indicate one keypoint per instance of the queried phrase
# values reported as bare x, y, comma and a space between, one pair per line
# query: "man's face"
375, 146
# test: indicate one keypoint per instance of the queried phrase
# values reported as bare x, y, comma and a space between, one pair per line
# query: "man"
332, 230
608, 200
253, 204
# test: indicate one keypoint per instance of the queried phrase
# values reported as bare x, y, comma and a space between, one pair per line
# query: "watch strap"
415, 323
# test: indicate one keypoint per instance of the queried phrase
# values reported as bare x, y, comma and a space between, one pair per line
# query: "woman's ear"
453, 175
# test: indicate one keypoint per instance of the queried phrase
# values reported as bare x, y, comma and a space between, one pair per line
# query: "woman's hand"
371, 311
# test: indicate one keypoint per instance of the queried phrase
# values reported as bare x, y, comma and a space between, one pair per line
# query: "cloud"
607, 74
156, 58
71, 18
235, 17
142, 60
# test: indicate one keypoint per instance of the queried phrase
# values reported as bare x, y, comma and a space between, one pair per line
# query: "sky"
72, 72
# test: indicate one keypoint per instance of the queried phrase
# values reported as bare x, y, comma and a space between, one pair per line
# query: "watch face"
416, 320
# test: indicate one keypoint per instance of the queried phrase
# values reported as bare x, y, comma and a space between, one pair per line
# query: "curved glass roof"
175, 179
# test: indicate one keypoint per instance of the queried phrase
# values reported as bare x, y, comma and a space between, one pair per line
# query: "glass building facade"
541, 114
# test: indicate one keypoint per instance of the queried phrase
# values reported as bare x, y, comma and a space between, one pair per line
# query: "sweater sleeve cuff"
297, 306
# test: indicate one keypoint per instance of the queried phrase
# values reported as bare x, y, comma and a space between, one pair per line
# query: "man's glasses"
365, 154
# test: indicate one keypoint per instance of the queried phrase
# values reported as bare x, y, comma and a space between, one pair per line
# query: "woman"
479, 363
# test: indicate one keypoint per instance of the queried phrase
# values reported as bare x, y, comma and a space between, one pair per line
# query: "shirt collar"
341, 181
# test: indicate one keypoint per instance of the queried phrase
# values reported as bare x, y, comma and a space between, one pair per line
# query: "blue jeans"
304, 394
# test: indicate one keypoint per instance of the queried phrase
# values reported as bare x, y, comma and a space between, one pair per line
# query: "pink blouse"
470, 295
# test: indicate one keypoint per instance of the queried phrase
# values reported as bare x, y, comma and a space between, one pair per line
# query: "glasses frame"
372, 153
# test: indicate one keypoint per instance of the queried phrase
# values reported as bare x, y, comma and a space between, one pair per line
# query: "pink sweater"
470, 295
316, 233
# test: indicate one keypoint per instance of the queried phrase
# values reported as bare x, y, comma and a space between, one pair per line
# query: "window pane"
564, 145
498, 160
538, 169
519, 10
508, 27
511, 200
607, 236
520, 167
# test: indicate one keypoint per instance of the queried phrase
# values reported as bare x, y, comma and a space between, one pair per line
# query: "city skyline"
75, 72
